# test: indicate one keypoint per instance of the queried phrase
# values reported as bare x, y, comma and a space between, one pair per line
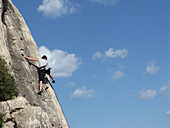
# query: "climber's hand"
53, 81
23, 55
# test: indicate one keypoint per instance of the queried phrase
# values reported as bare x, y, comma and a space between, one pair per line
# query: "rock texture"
29, 110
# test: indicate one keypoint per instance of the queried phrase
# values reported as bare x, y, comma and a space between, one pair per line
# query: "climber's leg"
41, 85
41, 78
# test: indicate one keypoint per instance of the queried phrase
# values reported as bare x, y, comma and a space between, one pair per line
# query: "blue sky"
110, 59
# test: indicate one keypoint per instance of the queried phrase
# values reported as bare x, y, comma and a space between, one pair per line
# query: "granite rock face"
29, 110
19, 113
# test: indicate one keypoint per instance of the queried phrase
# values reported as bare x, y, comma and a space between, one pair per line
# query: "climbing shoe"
40, 92
46, 88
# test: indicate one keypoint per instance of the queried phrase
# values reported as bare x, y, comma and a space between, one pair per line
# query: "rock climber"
42, 70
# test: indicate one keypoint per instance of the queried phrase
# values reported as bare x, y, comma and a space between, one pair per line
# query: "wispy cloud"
152, 68
57, 8
107, 2
62, 63
82, 93
168, 112
116, 75
111, 53
147, 94
97, 55
165, 89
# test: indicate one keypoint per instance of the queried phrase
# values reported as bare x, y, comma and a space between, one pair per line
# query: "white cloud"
148, 94
165, 89
111, 53
107, 2
117, 75
168, 112
152, 68
62, 63
82, 93
97, 55
57, 8
122, 53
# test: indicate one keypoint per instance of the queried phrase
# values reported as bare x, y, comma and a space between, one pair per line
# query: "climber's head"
44, 57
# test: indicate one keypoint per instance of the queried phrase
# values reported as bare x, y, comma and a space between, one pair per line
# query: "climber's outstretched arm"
34, 59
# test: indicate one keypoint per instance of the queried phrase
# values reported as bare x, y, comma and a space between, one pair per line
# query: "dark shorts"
42, 73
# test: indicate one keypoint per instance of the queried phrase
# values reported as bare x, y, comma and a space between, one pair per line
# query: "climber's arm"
33, 59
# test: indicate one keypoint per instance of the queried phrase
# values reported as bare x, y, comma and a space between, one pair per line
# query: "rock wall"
29, 110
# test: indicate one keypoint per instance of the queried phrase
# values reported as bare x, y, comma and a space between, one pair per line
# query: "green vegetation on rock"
8, 86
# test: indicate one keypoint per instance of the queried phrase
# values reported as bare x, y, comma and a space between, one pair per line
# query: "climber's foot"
46, 88
40, 92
